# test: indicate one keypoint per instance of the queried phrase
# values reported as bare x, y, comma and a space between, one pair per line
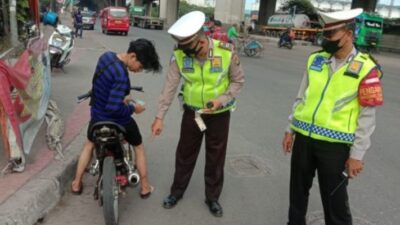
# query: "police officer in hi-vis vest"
332, 120
212, 76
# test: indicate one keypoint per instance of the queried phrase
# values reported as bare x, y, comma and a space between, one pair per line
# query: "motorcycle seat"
107, 131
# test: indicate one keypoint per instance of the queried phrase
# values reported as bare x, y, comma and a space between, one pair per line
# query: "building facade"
204, 3
386, 8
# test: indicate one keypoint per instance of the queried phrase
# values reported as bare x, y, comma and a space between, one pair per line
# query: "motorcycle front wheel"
53, 61
250, 52
110, 192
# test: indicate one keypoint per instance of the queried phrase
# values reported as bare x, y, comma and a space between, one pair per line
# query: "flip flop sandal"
79, 192
147, 195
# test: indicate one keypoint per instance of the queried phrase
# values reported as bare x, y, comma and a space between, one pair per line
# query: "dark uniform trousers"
329, 160
216, 138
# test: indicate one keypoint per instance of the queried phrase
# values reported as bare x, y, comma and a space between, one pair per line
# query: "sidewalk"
27, 197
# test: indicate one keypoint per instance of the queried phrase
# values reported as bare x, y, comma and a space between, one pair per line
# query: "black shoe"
215, 208
170, 201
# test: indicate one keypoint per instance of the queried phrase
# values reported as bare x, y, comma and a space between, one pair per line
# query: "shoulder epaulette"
172, 59
373, 59
226, 46
321, 50
316, 51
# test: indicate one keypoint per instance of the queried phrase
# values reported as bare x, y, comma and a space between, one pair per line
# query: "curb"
32, 202
275, 40
43, 191
307, 43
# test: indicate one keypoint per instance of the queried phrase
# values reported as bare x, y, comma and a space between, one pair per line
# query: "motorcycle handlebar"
137, 88
84, 96
89, 93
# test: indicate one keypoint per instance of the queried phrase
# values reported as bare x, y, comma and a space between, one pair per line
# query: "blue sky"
387, 2
248, 4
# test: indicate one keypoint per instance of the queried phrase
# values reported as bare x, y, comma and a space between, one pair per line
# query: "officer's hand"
157, 127
139, 108
287, 143
215, 105
354, 167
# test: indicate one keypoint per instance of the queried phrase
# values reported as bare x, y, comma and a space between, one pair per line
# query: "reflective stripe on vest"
330, 108
203, 83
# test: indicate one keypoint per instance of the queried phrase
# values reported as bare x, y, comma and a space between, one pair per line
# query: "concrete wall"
229, 11
169, 11
267, 9
367, 5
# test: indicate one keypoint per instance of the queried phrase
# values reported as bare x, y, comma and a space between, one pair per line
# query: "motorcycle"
113, 165
249, 46
285, 41
61, 43
29, 32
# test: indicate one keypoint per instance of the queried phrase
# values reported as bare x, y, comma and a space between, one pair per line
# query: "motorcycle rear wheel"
110, 192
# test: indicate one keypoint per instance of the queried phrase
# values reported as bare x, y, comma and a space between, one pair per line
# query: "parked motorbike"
285, 41
249, 46
113, 165
29, 31
61, 43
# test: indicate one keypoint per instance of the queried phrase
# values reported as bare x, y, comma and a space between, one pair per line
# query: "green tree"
4, 23
185, 7
23, 11
302, 6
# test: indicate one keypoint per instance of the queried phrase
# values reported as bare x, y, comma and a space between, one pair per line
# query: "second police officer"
333, 119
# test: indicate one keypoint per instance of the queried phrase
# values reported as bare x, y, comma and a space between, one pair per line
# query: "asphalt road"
257, 173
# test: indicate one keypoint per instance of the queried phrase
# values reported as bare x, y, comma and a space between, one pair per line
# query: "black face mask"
330, 46
192, 52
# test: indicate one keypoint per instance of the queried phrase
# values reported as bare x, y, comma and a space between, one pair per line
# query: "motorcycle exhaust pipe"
133, 179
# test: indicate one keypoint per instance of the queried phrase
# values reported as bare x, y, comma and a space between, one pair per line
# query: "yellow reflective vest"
330, 108
206, 82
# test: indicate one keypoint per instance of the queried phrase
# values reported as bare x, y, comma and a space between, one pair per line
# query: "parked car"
115, 19
88, 19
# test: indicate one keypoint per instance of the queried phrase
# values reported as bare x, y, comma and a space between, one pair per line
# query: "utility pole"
5, 16
390, 8
13, 23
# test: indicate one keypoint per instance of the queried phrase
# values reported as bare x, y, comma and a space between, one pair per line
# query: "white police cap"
184, 30
333, 19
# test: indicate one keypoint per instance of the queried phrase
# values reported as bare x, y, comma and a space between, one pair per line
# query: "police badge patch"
216, 64
188, 65
354, 68
317, 63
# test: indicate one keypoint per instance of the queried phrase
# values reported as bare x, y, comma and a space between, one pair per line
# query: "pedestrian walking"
332, 121
212, 77
78, 24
